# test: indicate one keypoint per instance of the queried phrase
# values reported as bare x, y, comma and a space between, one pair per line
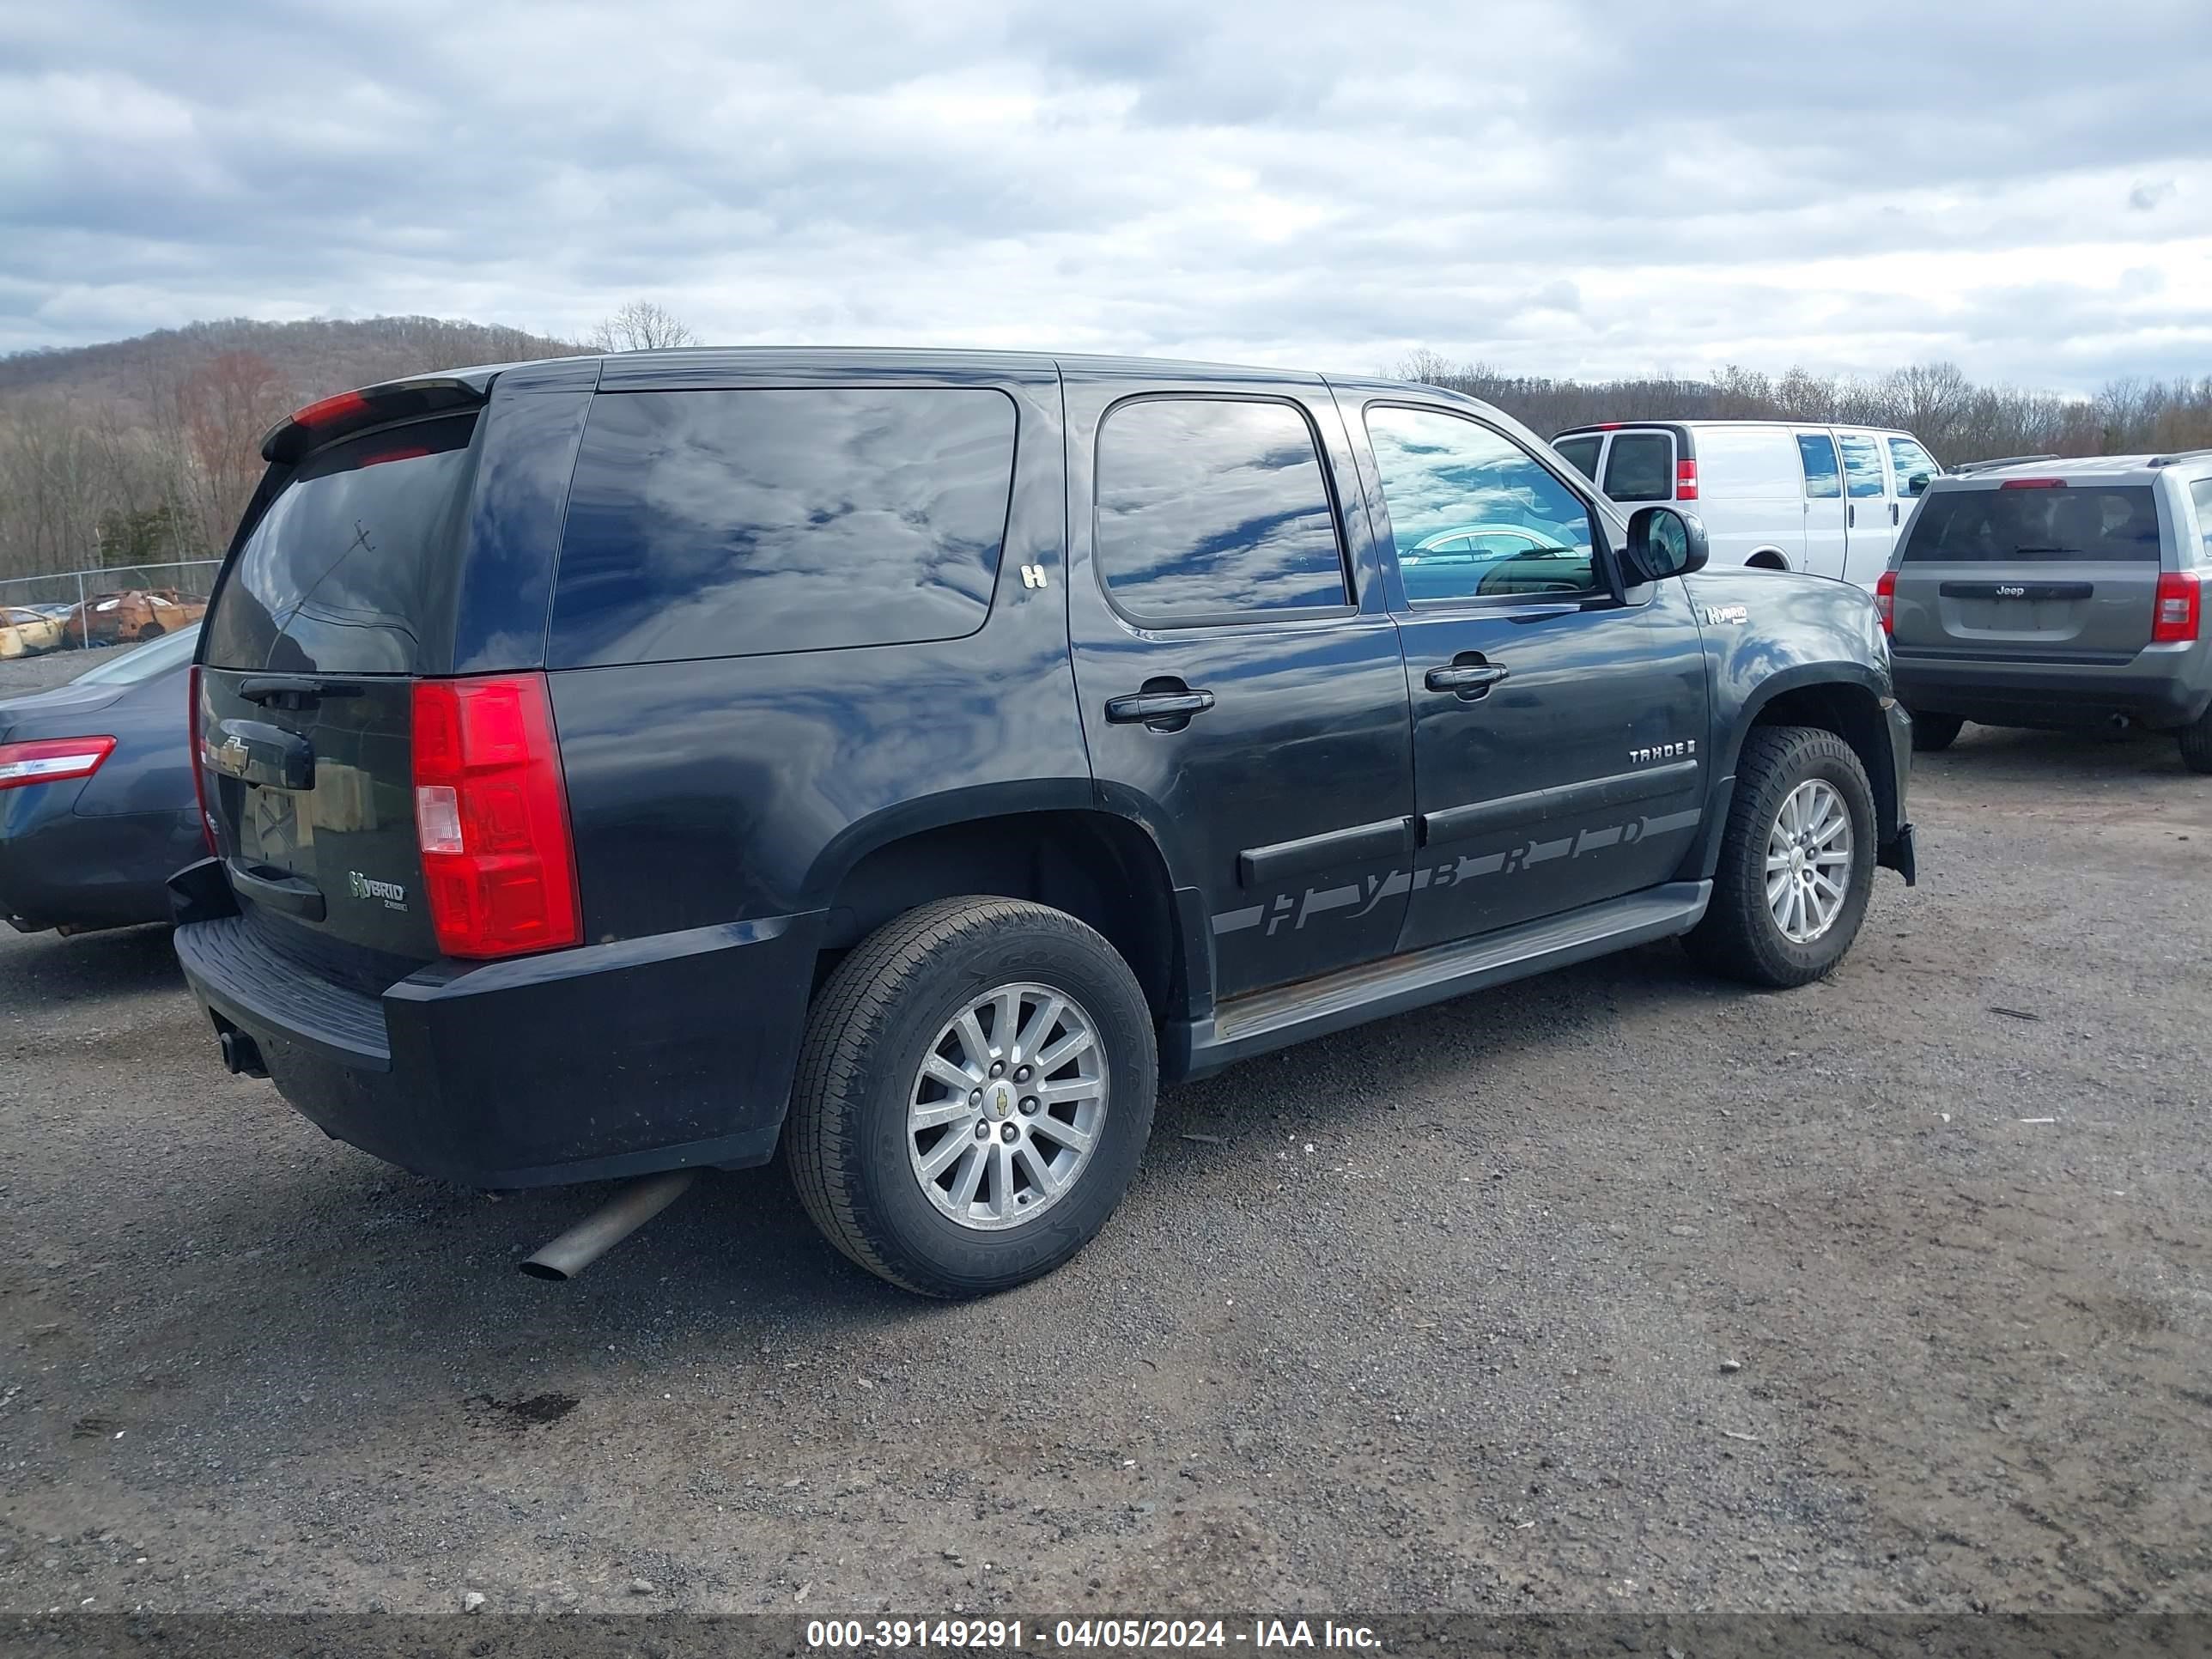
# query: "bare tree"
1426, 367
640, 326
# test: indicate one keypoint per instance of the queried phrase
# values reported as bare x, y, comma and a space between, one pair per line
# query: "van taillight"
198, 750
2180, 608
1686, 480
491, 816
1885, 600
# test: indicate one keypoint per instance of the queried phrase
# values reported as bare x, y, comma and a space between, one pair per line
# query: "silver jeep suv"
2057, 593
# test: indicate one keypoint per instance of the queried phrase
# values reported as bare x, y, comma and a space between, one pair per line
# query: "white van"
1774, 495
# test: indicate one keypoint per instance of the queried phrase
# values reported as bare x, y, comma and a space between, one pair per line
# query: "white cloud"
1585, 191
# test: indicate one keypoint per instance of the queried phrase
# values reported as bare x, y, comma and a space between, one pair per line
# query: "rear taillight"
52, 760
1885, 600
491, 816
2179, 616
197, 750
1686, 480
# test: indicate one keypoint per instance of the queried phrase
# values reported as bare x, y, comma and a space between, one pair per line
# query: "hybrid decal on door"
1715, 615
1360, 898
390, 894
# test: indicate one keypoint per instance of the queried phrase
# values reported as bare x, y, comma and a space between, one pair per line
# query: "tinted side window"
1862, 465
732, 524
1641, 467
1906, 457
2201, 493
1474, 515
1211, 508
1581, 454
1822, 481
353, 563
2043, 527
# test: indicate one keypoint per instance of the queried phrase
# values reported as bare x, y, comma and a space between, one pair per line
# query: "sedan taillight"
50, 760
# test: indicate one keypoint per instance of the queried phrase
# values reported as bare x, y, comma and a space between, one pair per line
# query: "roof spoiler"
332, 418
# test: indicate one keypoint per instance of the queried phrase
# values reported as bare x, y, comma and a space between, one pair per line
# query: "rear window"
733, 524
351, 559
1641, 467
1211, 510
1581, 454
1817, 450
2119, 525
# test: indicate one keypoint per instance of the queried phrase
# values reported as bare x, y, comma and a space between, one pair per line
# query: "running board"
1275, 1018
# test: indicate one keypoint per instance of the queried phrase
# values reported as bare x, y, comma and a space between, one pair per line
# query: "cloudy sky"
2024, 188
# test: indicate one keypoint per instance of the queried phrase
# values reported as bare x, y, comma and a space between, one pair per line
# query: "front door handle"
1164, 711
1469, 680
1851, 516
1893, 511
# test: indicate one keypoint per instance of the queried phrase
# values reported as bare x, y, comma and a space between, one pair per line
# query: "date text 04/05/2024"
1108, 1634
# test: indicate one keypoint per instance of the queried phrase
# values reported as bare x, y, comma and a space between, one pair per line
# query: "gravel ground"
1615, 1289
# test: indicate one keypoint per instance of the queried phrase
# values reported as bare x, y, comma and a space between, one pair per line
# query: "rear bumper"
59, 868
2153, 690
583, 1065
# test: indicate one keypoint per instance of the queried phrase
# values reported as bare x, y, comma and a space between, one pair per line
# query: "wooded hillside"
145, 450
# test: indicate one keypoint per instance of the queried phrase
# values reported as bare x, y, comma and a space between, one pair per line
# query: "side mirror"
1665, 541
1917, 485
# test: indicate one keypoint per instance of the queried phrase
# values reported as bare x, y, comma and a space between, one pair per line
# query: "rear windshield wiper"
294, 691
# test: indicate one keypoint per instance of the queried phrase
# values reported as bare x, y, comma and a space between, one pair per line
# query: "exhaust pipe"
607, 1226
242, 1054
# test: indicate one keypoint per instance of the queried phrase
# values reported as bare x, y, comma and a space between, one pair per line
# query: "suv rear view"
2058, 593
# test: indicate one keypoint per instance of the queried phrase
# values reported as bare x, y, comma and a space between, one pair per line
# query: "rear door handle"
1893, 511
1144, 708
1469, 680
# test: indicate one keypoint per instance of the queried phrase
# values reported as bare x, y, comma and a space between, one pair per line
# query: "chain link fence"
85, 594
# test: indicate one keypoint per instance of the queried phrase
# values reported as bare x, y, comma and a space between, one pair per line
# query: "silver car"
2056, 593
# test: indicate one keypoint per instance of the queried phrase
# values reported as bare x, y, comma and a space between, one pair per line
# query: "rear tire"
1932, 733
1792, 784
2196, 739
871, 1111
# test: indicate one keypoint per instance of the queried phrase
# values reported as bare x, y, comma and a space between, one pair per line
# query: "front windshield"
170, 651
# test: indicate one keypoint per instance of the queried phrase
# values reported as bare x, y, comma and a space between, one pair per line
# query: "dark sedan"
96, 807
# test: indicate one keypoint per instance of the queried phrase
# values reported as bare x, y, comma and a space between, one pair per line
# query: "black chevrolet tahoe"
910, 759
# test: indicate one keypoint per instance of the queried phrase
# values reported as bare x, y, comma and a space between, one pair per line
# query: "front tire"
973, 1095
1932, 733
1796, 861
